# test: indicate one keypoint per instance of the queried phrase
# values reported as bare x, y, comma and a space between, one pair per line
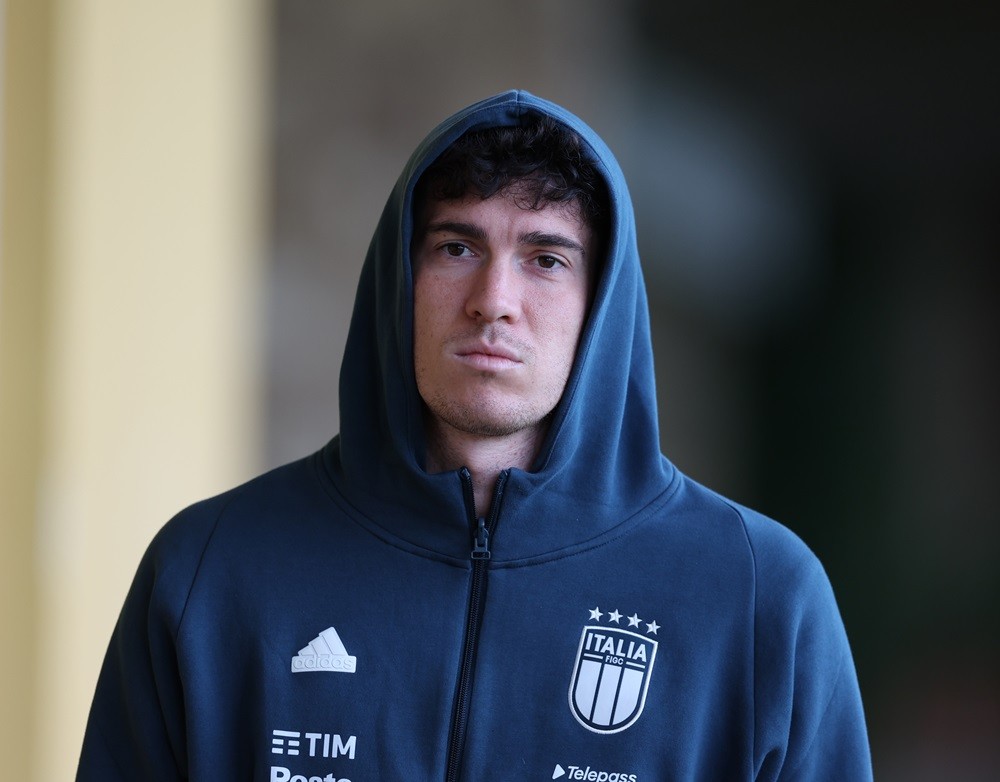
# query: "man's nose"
494, 292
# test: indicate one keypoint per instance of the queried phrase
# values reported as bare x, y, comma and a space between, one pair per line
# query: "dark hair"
536, 164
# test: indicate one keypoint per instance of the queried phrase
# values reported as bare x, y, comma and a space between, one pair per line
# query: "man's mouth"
489, 357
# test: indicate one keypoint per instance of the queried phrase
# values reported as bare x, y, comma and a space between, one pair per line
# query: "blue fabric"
718, 623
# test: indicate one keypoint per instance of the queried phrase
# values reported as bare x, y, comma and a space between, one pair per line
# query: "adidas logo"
325, 652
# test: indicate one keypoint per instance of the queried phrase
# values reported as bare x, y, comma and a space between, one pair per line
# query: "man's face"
500, 297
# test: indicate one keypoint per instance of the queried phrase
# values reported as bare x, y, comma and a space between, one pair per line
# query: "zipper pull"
481, 544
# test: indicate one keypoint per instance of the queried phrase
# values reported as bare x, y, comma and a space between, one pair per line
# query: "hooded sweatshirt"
349, 617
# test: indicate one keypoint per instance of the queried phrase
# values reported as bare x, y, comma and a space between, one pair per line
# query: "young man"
491, 573
502, 276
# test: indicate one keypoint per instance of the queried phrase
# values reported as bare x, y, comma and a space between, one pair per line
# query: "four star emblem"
615, 616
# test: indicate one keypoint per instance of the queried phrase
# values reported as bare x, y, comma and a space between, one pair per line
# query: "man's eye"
548, 261
455, 249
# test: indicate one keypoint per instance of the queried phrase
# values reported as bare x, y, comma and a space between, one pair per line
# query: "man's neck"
485, 457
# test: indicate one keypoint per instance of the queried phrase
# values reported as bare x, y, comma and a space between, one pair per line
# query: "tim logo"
611, 676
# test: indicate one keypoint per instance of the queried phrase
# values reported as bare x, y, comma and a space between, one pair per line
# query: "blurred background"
188, 189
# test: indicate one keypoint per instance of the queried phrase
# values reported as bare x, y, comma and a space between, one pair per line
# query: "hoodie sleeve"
809, 721
136, 728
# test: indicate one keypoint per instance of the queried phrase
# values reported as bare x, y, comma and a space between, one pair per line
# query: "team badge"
611, 674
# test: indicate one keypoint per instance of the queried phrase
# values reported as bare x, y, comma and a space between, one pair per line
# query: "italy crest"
611, 674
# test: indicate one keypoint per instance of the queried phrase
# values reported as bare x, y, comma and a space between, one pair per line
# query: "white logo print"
320, 745
325, 652
310, 745
591, 775
607, 691
285, 741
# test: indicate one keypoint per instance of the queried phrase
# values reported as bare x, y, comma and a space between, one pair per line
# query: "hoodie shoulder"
171, 563
809, 719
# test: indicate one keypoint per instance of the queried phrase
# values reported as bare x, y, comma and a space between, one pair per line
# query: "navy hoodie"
347, 618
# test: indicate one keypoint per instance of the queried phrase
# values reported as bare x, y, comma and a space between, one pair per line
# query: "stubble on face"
489, 408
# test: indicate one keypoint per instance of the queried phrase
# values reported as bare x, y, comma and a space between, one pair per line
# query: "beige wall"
129, 326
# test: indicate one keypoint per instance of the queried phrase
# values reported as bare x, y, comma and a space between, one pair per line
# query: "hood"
600, 465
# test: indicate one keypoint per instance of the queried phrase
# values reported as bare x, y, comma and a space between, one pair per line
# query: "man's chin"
488, 427
477, 420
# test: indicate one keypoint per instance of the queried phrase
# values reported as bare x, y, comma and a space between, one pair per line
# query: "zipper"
481, 530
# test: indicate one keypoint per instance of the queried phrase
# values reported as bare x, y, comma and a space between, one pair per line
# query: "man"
491, 573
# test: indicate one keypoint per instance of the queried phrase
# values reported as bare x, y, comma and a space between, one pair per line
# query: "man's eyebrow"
473, 231
552, 240
470, 230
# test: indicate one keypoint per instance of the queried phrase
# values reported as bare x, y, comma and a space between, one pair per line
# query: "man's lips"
483, 356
